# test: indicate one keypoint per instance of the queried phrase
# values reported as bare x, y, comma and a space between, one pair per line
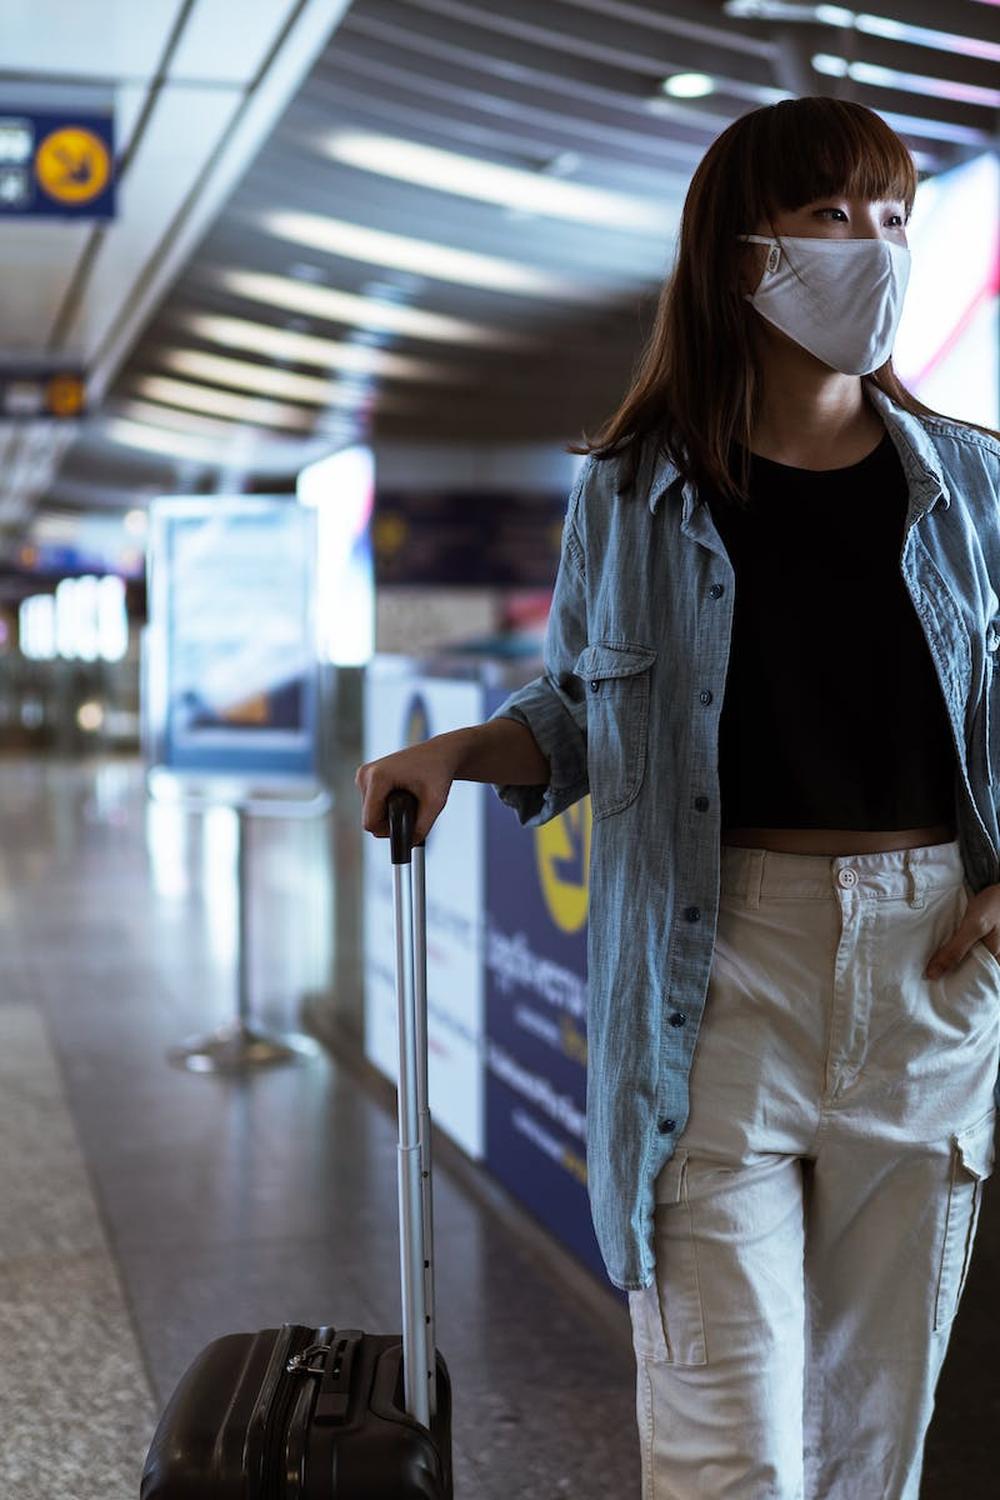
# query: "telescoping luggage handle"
416, 1220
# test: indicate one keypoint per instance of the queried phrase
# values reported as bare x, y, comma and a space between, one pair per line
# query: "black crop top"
833, 716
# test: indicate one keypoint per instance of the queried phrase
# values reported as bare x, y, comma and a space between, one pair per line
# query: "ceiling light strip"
334, 306
913, 83
843, 19
423, 257
201, 398
246, 376
306, 349
493, 182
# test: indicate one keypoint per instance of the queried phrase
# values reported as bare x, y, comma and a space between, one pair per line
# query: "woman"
769, 660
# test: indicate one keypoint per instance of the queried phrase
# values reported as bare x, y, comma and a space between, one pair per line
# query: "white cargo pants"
814, 1227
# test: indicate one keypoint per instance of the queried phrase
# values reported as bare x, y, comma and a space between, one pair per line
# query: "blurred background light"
425, 257
90, 716
84, 620
889, 27
245, 375
916, 83
946, 346
688, 85
305, 349
200, 398
473, 177
367, 312
341, 489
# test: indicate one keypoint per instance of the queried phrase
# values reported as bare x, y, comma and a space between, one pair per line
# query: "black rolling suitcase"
297, 1413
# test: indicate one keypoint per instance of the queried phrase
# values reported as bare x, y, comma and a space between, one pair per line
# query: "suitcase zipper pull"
333, 1399
300, 1364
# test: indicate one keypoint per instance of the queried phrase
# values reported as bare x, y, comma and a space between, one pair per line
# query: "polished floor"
144, 1210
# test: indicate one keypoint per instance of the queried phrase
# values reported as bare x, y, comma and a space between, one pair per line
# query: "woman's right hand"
427, 770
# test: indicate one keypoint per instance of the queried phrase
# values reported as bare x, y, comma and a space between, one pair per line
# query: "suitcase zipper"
280, 1410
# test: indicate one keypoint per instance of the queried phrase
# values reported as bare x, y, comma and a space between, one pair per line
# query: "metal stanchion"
243, 1044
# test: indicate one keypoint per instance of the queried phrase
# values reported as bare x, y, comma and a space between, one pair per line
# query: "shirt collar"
917, 453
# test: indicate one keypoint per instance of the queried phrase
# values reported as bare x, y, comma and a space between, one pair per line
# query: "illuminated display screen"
232, 670
946, 347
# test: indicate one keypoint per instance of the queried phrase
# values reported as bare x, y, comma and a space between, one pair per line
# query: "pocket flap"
605, 659
977, 1145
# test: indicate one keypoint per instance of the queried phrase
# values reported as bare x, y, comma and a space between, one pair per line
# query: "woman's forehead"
807, 172
790, 197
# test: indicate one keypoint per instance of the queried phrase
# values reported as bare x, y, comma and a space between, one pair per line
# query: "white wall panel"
227, 42
37, 261
84, 38
176, 145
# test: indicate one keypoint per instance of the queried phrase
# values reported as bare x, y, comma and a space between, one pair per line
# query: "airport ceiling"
415, 219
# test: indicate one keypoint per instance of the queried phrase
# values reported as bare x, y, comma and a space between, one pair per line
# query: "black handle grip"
401, 806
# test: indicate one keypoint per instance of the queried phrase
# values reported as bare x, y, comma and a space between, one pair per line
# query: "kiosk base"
239, 1048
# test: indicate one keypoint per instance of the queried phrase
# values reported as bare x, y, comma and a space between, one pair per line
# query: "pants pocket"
668, 1323
980, 948
972, 1158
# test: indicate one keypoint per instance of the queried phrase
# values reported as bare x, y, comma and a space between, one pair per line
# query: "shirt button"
692, 914
666, 1126
706, 696
847, 878
678, 1018
701, 803
716, 591
594, 685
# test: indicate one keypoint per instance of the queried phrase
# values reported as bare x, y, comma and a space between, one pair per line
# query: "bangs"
818, 147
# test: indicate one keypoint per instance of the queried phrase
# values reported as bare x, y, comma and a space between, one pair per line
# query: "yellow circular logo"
390, 533
64, 395
73, 165
562, 850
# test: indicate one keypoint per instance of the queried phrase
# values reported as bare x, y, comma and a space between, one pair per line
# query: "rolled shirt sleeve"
554, 706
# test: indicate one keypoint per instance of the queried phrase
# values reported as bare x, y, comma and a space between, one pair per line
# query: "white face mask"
846, 307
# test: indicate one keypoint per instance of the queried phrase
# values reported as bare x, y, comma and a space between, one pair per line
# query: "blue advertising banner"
536, 1015
232, 676
56, 164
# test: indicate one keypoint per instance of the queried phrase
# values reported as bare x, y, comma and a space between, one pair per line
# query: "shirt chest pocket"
616, 679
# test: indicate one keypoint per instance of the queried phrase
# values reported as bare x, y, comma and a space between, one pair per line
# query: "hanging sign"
30, 391
54, 164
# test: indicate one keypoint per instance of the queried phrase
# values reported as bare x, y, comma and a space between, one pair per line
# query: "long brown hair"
697, 383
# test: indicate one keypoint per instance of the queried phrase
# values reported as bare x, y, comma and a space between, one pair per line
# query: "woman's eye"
898, 217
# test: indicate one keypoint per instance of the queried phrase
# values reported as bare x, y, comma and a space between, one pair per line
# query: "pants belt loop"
755, 877
916, 897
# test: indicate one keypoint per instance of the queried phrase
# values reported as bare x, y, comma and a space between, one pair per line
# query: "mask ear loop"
772, 262
774, 254
777, 251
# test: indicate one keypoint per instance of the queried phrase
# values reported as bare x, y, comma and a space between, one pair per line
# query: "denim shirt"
627, 709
